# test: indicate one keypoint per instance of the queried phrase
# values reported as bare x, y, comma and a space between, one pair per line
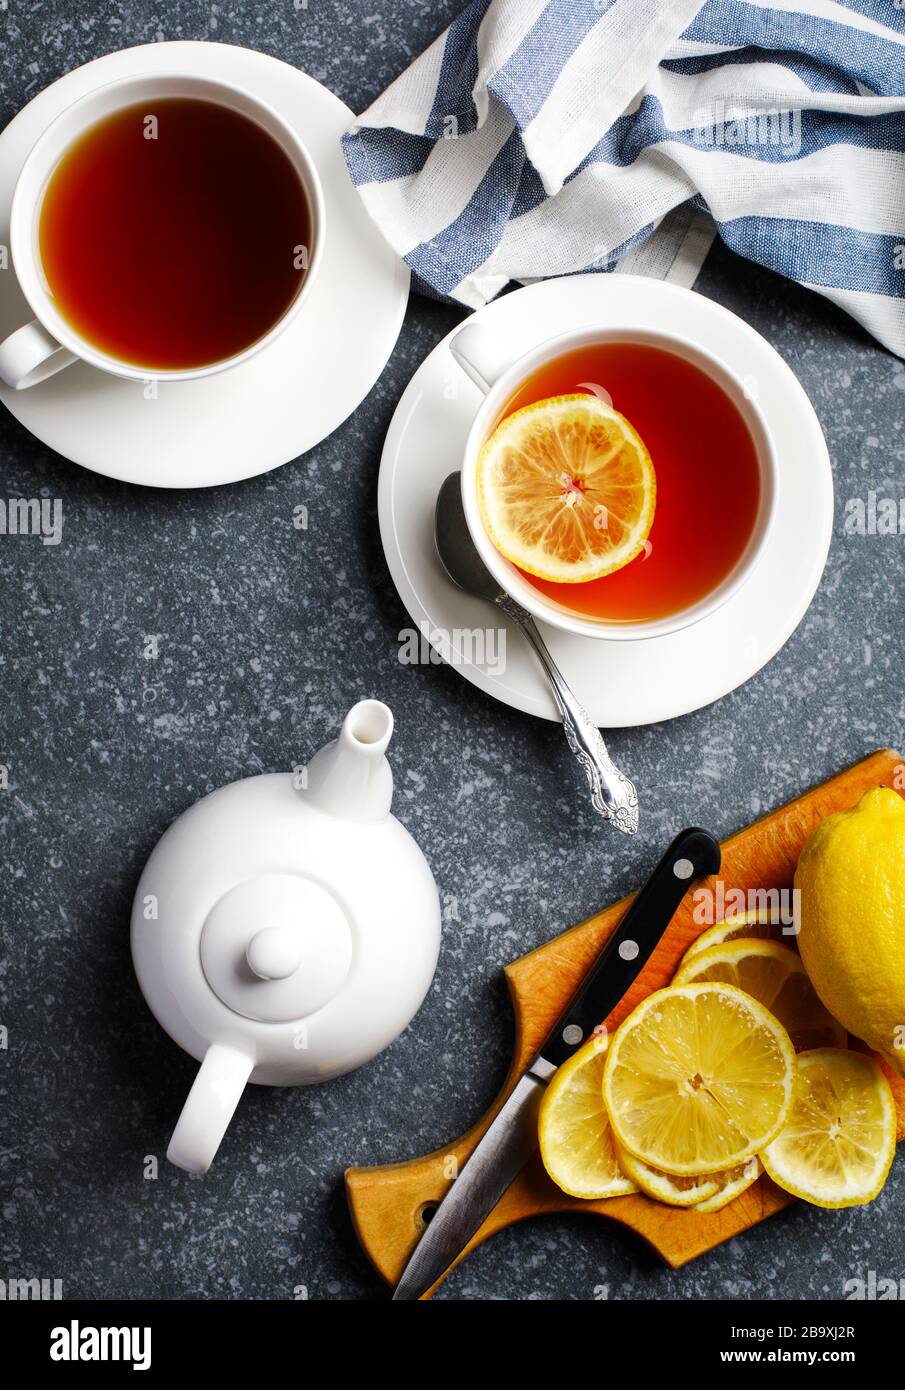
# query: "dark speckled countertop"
265, 641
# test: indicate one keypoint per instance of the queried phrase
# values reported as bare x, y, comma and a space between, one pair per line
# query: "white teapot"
285, 929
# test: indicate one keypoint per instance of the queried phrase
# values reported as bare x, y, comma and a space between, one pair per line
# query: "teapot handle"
209, 1107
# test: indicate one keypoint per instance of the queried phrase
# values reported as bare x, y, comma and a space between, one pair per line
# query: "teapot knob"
275, 953
276, 947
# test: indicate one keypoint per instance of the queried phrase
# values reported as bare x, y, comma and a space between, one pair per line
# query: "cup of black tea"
162, 228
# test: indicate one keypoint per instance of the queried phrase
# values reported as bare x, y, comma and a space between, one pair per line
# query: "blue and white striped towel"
545, 137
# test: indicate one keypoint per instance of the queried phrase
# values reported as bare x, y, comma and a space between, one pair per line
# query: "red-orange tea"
708, 479
170, 234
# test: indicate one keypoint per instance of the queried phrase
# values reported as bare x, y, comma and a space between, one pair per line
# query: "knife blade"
511, 1138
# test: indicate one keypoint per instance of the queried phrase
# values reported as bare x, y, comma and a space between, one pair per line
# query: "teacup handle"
480, 356
209, 1107
31, 355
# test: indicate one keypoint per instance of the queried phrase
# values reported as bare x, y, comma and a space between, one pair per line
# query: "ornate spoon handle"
613, 796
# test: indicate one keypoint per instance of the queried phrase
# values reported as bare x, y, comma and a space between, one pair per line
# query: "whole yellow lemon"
851, 876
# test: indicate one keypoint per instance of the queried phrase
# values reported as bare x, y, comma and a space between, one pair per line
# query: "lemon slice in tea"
566, 489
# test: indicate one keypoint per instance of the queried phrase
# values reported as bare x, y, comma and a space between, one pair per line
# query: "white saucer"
286, 399
620, 683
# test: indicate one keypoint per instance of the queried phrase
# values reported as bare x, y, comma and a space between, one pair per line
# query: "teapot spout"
351, 778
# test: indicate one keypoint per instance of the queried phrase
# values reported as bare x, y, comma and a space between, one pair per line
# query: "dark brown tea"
174, 234
708, 478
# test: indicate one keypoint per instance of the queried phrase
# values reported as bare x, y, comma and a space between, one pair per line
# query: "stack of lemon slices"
736, 1067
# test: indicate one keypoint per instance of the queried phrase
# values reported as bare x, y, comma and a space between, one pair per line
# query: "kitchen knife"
511, 1138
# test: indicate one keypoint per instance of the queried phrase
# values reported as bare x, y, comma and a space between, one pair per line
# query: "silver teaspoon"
613, 796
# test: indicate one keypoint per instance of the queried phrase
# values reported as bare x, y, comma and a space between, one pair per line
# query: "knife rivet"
628, 950
572, 1034
683, 868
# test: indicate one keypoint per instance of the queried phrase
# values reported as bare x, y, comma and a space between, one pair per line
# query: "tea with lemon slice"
622, 482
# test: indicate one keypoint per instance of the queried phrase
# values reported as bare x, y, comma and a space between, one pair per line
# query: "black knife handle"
692, 854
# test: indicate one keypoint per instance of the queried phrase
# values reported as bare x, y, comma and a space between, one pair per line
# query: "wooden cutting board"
389, 1204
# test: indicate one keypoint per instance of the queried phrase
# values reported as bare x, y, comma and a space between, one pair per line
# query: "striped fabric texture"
549, 137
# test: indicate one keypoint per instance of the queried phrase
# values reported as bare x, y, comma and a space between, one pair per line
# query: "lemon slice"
837, 1145
734, 1182
759, 925
576, 1144
676, 1191
706, 1192
566, 489
774, 976
698, 1078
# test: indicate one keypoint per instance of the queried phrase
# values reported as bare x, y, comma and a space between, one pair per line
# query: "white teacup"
49, 343
498, 372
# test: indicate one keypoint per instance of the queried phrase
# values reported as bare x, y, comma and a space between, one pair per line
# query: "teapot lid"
276, 947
